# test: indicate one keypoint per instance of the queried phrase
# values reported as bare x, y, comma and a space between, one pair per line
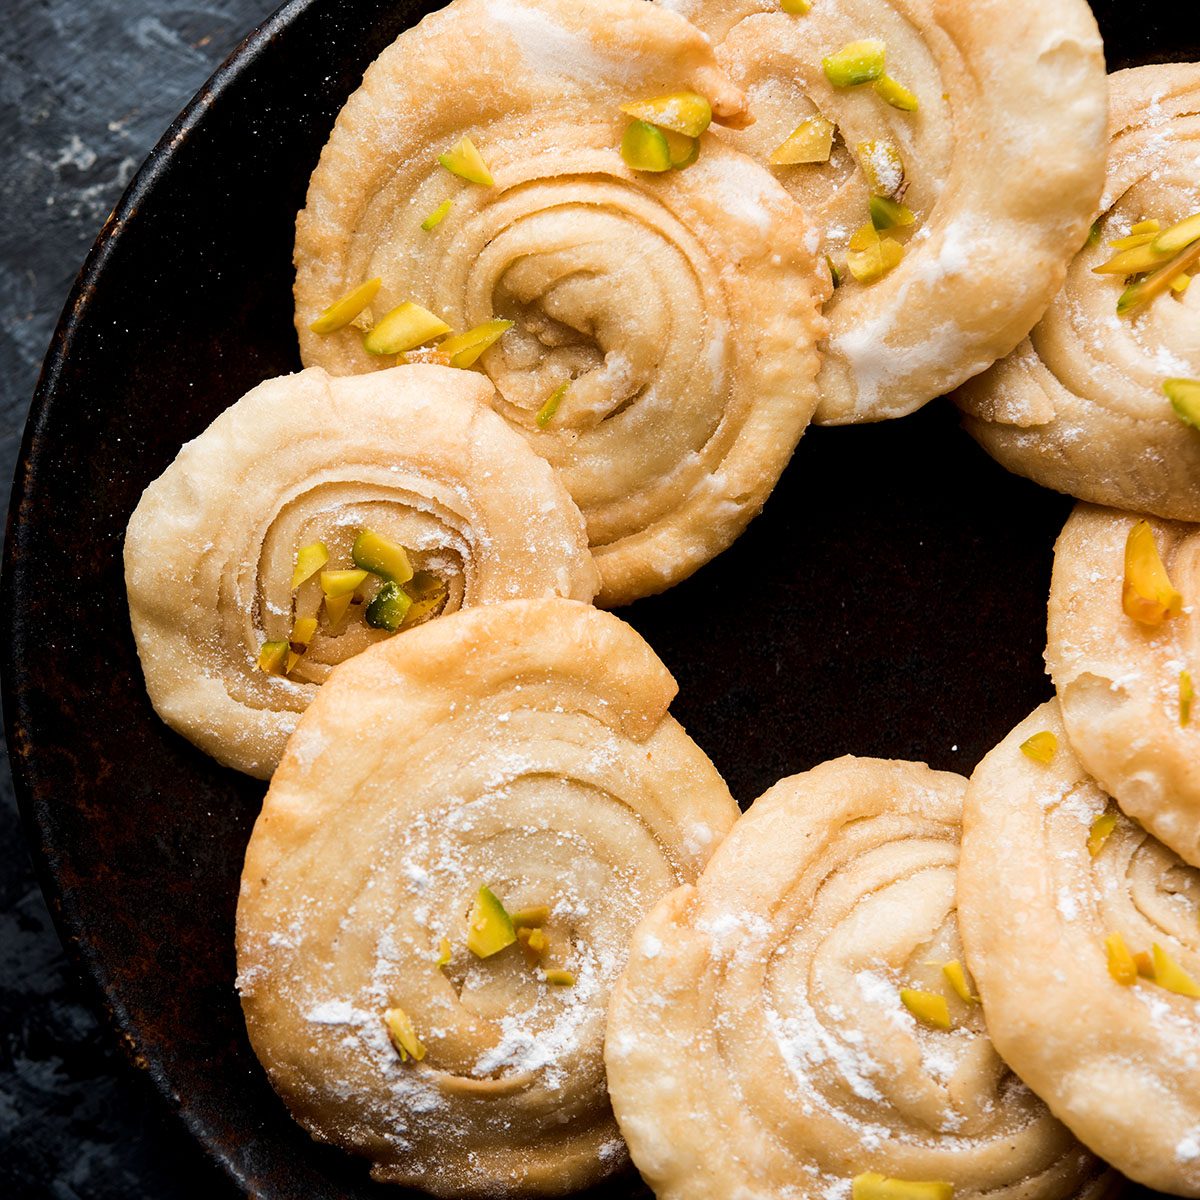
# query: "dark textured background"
86, 88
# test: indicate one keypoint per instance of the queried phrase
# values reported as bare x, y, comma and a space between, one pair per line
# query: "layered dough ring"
680, 308
1116, 1062
758, 1044
1004, 162
1079, 406
414, 454
1125, 688
525, 747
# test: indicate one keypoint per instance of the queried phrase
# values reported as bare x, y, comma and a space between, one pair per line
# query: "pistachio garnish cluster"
664, 134
1153, 261
862, 62
931, 1008
1156, 967
491, 928
405, 597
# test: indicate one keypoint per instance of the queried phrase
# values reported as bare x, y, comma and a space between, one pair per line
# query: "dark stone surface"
85, 91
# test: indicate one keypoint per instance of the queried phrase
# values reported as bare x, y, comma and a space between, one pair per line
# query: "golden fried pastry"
1124, 652
1082, 933
651, 333
950, 154
318, 516
800, 1022
1082, 406
466, 826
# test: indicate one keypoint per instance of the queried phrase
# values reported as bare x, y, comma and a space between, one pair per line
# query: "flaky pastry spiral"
1002, 164
1080, 406
524, 747
759, 1042
1057, 895
678, 308
415, 454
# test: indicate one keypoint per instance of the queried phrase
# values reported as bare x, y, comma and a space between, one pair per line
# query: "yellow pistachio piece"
1150, 226
644, 147
1101, 830
1172, 240
810, 142
489, 927
887, 214
342, 583
444, 953
1147, 594
856, 63
956, 976
403, 1036
406, 327
560, 978
380, 556
928, 1007
303, 633
535, 943
872, 1186
1134, 239
1184, 395
309, 560
883, 166
1180, 284
1144, 964
896, 94
341, 312
465, 349
1170, 975
336, 608
1132, 261
1041, 747
271, 656
683, 150
1121, 964
545, 414
796, 7
1186, 696
438, 215
531, 918
688, 113
1135, 297
465, 161
870, 257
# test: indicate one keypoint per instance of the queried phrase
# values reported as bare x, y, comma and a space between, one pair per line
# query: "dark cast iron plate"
890, 601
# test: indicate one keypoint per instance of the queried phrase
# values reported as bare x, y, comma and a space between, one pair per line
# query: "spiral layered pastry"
800, 1022
934, 109
1081, 930
301, 467
1125, 685
1081, 406
662, 352
454, 1038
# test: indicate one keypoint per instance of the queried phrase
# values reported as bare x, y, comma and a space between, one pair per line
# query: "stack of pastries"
571, 282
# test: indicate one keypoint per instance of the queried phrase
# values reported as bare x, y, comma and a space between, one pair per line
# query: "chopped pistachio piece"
1170, 975
896, 94
545, 414
531, 918
872, 1186
1180, 284
1121, 964
429, 595
387, 559
956, 976
535, 943
810, 142
1135, 297
389, 608
1132, 261
303, 633
1147, 594
887, 214
1132, 241
309, 560
835, 275
1172, 240
341, 312
870, 257
927, 1007
684, 150
342, 583
489, 927
1144, 964
856, 63
883, 166
1184, 395
406, 327
688, 113
271, 656
560, 978
336, 608
438, 215
444, 953
465, 161
1041, 747
1150, 226
403, 1036
465, 349
1101, 830
1186, 695
644, 147
796, 7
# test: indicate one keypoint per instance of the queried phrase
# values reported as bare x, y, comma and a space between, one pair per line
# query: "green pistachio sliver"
1179, 236
644, 147
438, 215
341, 312
546, 413
1184, 395
896, 94
856, 63
687, 113
888, 214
